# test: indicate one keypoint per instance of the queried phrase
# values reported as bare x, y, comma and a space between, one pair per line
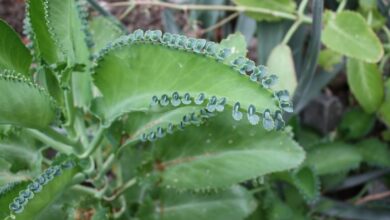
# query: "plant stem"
128, 10
94, 144
106, 166
221, 23
57, 136
297, 23
80, 129
107, 14
186, 7
68, 98
122, 189
291, 31
342, 5
45, 138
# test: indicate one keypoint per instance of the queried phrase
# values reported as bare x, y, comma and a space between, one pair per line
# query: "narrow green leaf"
44, 46
384, 110
333, 158
348, 33
13, 54
345, 210
365, 81
233, 204
281, 63
276, 5
375, 152
205, 158
23, 103
65, 24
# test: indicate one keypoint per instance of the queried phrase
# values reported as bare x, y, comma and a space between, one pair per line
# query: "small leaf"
281, 63
375, 152
328, 59
276, 5
235, 203
365, 82
236, 42
13, 54
384, 110
356, 124
333, 158
348, 33
23, 103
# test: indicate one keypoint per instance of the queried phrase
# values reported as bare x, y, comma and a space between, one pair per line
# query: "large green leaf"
233, 204
384, 110
42, 191
103, 31
333, 158
281, 63
276, 5
365, 81
348, 33
135, 69
13, 54
23, 103
205, 157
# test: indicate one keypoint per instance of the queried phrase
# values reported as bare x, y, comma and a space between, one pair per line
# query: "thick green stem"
51, 141
106, 166
94, 144
80, 129
121, 190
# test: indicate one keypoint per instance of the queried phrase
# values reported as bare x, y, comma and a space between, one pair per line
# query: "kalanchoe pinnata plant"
121, 129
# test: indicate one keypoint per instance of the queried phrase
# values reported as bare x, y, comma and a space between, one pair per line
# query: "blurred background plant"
332, 55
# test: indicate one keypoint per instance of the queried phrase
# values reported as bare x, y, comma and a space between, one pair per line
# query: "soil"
12, 11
